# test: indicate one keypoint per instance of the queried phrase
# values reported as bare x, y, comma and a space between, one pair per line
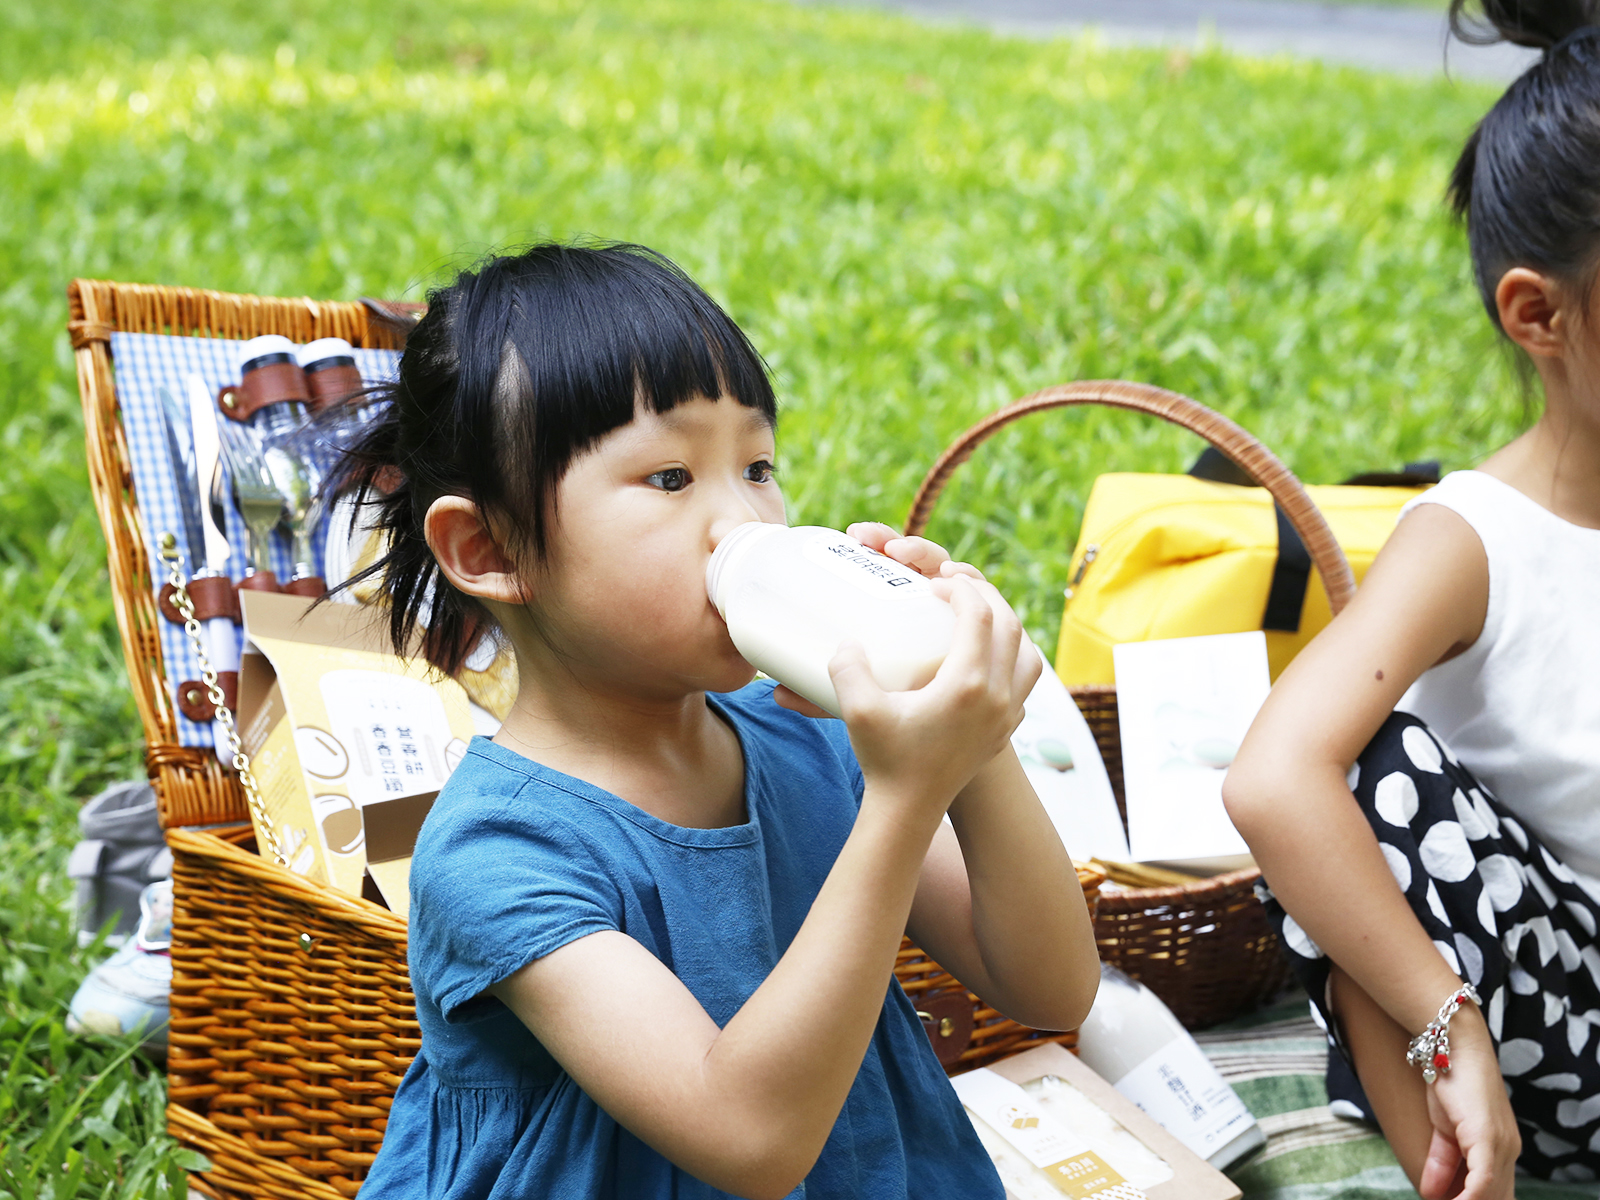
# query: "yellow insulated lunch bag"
1166, 556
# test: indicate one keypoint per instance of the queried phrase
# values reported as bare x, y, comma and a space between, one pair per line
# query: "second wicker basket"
1205, 948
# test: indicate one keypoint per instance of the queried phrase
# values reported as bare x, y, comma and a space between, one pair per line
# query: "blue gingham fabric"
145, 363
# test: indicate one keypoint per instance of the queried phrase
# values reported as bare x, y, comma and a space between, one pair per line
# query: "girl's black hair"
1528, 181
518, 367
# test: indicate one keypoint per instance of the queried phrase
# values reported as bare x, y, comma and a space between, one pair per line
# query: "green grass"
79, 1117
914, 225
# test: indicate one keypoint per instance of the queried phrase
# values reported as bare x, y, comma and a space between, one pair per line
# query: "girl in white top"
1521, 704
1422, 788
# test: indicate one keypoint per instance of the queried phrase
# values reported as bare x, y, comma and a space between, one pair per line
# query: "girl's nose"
727, 523
733, 510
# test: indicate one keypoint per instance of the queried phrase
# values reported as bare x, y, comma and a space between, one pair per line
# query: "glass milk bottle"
1131, 1039
790, 596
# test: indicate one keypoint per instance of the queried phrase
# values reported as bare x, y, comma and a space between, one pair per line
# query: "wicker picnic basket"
1205, 947
292, 1015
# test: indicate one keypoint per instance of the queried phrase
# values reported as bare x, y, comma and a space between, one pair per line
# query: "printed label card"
1130, 1155
334, 722
1062, 761
1184, 706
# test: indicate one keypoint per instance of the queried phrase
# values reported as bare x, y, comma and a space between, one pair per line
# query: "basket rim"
327, 899
1196, 894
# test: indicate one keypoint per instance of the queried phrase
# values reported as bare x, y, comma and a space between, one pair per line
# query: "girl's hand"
923, 746
922, 556
928, 559
1475, 1136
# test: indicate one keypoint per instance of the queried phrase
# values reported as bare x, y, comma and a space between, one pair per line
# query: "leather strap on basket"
397, 316
221, 712
194, 700
946, 1017
213, 596
1253, 458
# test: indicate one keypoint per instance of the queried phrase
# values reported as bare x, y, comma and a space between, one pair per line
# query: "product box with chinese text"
334, 721
1056, 1129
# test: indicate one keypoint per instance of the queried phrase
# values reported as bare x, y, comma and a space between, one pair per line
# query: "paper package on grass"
1184, 706
1056, 1129
334, 721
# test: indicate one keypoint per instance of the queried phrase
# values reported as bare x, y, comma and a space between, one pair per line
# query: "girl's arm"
747, 1108
1423, 600
999, 906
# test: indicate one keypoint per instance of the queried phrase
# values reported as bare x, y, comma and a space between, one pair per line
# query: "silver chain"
182, 601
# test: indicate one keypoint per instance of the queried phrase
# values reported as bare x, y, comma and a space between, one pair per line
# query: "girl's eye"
759, 472
673, 479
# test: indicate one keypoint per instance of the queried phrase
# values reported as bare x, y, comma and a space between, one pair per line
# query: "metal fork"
255, 494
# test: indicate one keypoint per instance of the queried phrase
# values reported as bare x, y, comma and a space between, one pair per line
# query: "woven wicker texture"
1204, 948
292, 1023
193, 788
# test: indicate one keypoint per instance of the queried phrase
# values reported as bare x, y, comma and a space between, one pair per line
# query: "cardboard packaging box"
1056, 1129
334, 721
391, 832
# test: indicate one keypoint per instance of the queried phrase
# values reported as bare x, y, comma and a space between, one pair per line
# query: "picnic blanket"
1275, 1058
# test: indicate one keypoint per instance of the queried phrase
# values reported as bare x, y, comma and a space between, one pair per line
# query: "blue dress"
516, 860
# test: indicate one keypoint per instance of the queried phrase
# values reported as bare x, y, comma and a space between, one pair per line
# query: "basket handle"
1252, 457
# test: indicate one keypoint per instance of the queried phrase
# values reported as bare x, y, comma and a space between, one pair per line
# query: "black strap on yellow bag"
1291, 572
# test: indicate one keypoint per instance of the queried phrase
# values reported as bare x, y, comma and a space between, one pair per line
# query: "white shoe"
129, 991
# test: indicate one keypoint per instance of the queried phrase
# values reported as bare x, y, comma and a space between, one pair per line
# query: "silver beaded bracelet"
1430, 1049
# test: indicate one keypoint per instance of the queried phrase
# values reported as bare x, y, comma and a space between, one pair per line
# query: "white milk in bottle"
790, 596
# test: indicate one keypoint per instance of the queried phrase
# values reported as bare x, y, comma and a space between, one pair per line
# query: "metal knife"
174, 418
222, 639
203, 421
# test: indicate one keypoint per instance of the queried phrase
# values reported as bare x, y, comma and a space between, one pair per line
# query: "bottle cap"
264, 351
733, 546
326, 352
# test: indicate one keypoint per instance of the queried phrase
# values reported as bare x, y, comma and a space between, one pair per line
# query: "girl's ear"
468, 553
1533, 311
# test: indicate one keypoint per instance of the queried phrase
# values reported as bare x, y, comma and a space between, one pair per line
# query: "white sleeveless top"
1521, 707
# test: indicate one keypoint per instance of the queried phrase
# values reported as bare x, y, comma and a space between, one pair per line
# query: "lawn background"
914, 225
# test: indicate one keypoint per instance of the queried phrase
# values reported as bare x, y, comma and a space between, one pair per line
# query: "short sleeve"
493, 889
838, 739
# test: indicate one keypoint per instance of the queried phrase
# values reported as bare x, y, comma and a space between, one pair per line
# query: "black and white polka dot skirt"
1508, 916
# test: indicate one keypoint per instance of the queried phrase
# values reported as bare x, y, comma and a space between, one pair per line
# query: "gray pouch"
122, 851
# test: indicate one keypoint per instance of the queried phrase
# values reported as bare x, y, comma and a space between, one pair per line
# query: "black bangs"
597, 334
518, 367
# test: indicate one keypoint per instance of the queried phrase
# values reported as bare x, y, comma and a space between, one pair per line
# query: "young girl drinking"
654, 920
1422, 788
